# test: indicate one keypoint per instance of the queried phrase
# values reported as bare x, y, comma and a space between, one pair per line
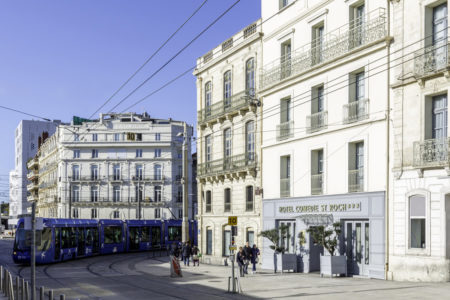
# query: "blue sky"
64, 58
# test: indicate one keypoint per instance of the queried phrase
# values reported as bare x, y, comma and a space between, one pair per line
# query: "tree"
275, 236
327, 237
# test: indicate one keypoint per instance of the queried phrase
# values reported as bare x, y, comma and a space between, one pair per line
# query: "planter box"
330, 265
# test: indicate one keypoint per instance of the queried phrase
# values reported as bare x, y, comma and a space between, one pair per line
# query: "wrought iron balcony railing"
356, 180
230, 164
32, 186
337, 43
316, 184
226, 106
285, 130
317, 121
148, 178
32, 174
356, 111
431, 153
285, 187
84, 178
431, 60
48, 184
32, 163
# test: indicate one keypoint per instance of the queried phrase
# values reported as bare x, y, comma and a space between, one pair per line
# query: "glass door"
357, 246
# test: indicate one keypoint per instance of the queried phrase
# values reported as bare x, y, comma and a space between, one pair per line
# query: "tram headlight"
14, 252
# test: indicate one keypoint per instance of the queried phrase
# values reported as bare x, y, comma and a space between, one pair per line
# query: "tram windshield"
20, 240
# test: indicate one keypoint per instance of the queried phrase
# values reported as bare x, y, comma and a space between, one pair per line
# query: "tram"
66, 239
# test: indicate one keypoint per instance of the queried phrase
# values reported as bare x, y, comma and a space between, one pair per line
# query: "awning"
316, 219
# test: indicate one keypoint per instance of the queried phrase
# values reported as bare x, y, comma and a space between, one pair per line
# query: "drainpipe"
388, 115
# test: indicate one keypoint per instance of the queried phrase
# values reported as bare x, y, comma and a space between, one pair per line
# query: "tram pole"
185, 200
33, 250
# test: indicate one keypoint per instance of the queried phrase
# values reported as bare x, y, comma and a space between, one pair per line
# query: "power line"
24, 113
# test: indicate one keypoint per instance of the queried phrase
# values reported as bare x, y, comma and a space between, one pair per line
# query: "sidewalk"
265, 284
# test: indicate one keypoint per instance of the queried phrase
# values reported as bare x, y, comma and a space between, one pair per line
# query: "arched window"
227, 88
250, 140
250, 76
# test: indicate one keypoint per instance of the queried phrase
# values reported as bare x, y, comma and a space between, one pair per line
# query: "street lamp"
185, 182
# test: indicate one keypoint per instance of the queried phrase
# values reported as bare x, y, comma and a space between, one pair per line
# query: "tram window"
89, 237
156, 236
145, 237
174, 233
65, 238
72, 237
46, 240
113, 234
19, 242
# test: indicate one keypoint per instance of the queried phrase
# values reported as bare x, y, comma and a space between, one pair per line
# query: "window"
138, 152
208, 148
174, 233
227, 147
209, 241
157, 153
417, 218
75, 213
317, 101
94, 194
116, 193
116, 214
157, 172
439, 117
157, 136
139, 193
180, 213
116, 172
250, 77
226, 242
357, 26
250, 237
285, 59
94, 172
145, 236
359, 86
94, 153
208, 91
227, 89
76, 153
284, 3
76, 137
116, 137
157, 213
208, 202
285, 110
93, 213
317, 44
317, 172
356, 167
76, 193
94, 137
227, 201
76, 172
250, 140
157, 193
249, 198
438, 30
287, 239
113, 234
139, 172
138, 136
285, 174
46, 240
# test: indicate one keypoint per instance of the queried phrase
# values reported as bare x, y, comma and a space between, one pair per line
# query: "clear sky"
64, 58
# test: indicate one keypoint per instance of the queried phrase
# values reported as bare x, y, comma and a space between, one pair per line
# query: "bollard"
62, 297
1, 278
22, 288
41, 293
50, 295
27, 294
17, 287
11, 287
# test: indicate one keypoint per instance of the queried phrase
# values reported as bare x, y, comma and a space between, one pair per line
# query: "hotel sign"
321, 208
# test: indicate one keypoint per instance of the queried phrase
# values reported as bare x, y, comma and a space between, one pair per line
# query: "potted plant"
302, 251
327, 237
275, 236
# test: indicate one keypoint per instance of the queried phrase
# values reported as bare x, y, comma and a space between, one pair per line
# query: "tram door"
133, 238
57, 244
357, 234
81, 242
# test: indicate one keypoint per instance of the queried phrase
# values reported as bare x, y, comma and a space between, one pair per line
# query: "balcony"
226, 108
356, 180
316, 184
335, 44
431, 60
115, 178
154, 178
34, 162
317, 121
32, 186
285, 131
84, 178
285, 187
230, 166
431, 153
46, 185
356, 111
33, 174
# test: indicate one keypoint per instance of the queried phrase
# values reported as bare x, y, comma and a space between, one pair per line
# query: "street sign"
233, 248
232, 220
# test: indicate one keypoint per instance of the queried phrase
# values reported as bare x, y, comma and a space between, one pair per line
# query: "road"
119, 276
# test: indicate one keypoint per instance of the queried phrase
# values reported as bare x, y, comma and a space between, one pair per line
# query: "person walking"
195, 255
247, 257
254, 258
240, 261
186, 253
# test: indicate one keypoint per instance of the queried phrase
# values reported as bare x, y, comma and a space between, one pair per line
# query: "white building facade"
324, 90
419, 241
228, 143
26, 145
122, 166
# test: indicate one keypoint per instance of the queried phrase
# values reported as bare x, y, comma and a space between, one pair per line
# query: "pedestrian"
254, 258
240, 261
247, 257
186, 253
195, 255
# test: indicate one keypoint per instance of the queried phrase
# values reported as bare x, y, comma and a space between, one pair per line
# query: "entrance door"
57, 244
315, 251
357, 240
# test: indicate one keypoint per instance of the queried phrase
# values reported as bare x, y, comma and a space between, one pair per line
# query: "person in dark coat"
240, 257
186, 253
195, 255
254, 258
248, 256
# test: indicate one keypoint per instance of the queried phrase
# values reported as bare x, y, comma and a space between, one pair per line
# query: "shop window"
287, 240
417, 220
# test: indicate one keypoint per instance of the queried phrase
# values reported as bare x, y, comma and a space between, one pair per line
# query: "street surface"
142, 276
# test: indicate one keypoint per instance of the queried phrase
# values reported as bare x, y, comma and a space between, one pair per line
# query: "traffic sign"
232, 220
233, 248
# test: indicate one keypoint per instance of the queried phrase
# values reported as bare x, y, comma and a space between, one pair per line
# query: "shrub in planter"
276, 235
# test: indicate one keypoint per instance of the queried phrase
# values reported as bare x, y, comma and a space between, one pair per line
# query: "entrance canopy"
316, 219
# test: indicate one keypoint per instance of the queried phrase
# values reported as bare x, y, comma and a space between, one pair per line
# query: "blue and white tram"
65, 239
